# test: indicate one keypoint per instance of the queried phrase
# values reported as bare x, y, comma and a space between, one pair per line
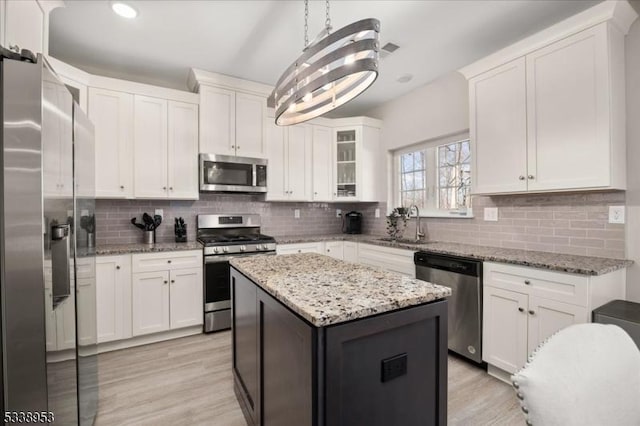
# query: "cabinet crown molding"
198, 77
618, 13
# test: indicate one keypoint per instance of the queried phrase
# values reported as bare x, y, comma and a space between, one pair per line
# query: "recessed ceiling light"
404, 78
124, 10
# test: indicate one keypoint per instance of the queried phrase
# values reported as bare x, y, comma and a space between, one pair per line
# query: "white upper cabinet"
166, 144
111, 113
289, 149
554, 118
183, 150
250, 115
277, 175
217, 121
299, 162
568, 110
358, 167
498, 123
322, 155
23, 25
231, 123
150, 147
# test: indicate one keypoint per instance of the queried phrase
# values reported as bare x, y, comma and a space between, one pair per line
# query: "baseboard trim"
148, 339
499, 373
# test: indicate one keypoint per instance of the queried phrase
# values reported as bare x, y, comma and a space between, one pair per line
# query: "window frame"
431, 167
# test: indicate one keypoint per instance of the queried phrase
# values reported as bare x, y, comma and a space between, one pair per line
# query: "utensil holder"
91, 239
148, 237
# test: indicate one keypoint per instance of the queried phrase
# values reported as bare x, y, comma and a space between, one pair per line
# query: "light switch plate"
84, 212
338, 213
491, 214
160, 212
296, 213
616, 214
377, 214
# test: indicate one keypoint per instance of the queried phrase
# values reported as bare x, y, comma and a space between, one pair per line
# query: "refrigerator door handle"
60, 263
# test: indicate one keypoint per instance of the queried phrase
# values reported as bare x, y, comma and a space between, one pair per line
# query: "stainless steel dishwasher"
464, 277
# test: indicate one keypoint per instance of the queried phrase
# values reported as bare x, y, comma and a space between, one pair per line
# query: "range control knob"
243, 248
225, 249
215, 249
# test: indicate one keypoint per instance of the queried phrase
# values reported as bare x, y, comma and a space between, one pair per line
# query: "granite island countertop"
582, 265
116, 249
327, 291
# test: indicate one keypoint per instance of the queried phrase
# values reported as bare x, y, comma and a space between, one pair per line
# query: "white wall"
633, 158
437, 109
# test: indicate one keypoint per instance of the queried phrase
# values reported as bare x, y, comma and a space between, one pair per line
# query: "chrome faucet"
419, 233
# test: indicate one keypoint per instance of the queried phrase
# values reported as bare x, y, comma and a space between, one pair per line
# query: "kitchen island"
318, 341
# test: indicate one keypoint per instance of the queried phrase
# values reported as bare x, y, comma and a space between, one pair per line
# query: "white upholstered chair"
587, 374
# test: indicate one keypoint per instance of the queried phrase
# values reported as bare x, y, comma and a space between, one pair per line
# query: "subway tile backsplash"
574, 223
113, 217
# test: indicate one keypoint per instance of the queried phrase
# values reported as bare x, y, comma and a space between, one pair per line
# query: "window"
436, 177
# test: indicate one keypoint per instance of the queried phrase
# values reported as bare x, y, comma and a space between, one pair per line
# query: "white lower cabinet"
314, 247
113, 296
169, 297
87, 318
185, 295
150, 300
350, 252
334, 249
523, 306
391, 259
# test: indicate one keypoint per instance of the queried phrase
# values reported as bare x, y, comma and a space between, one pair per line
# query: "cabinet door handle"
299, 251
165, 281
164, 188
173, 281
168, 261
328, 251
238, 147
532, 312
520, 309
521, 177
527, 282
233, 146
118, 267
531, 177
121, 186
171, 188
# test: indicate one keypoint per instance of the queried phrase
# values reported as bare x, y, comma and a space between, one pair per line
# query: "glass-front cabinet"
347, 159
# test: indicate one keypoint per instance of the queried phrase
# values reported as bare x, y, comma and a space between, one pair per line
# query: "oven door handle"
225, 258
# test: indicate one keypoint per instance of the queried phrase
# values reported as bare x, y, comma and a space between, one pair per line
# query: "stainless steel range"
225, 237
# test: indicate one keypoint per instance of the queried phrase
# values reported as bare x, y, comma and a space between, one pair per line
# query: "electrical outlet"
616, 214
491, 214
160, 212
377, 214
338, 213
296, 213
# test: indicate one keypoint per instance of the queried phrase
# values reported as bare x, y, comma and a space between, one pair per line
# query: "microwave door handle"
255, 175
60, 263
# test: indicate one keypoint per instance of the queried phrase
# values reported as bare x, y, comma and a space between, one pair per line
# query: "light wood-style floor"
188, 381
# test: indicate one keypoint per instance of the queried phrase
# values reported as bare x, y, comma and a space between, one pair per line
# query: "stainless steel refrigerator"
47, 263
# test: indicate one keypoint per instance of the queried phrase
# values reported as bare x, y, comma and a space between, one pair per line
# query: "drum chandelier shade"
332, 70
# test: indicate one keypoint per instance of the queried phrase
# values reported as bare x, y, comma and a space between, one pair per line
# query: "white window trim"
393, 196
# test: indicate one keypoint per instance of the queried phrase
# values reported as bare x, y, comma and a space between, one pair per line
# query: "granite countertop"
115, 249
583, 265
327, 291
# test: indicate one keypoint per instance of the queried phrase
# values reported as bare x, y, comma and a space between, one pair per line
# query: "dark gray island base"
296, 364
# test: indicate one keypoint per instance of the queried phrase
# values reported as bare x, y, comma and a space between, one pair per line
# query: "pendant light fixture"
332, 69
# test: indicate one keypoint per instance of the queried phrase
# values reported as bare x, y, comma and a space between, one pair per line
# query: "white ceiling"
257, 40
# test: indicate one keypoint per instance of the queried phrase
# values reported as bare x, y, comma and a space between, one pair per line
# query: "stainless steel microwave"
226, 173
